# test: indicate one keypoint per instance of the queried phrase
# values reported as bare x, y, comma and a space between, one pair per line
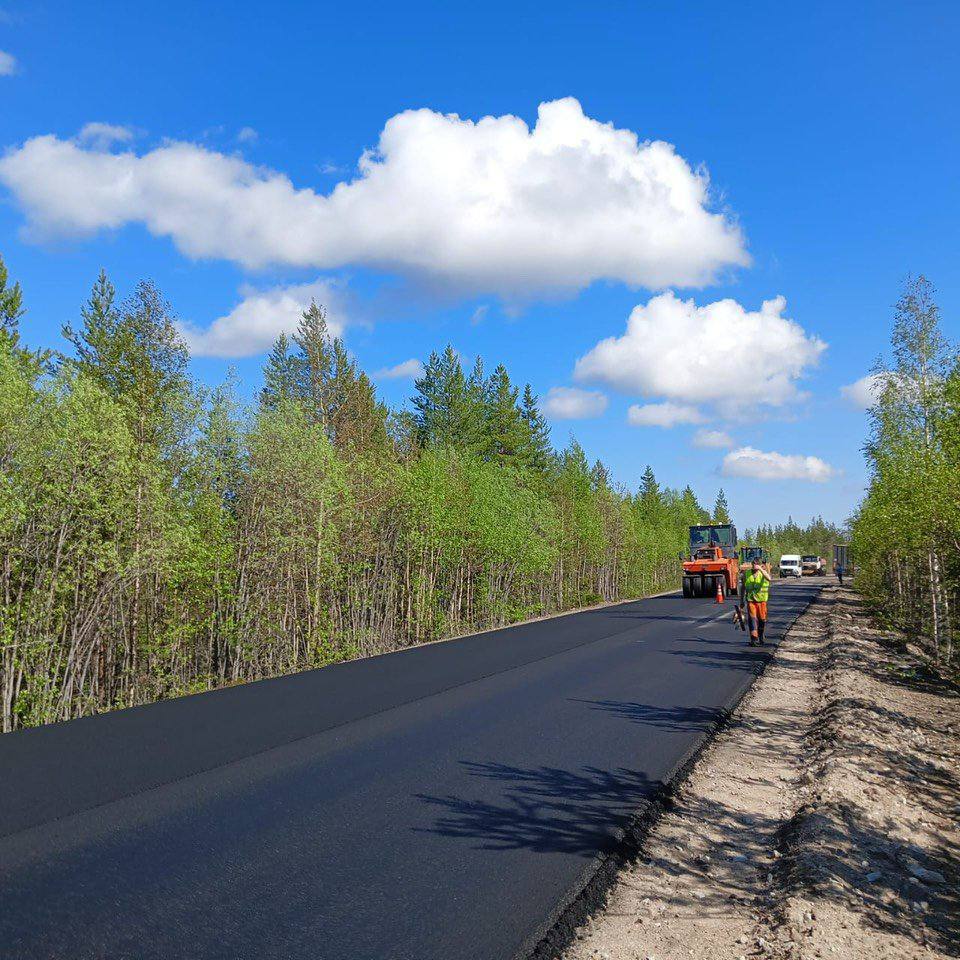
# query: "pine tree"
281, 374
432, 398
505, 431
600, 476
539, 453
323, 377
219, 447
447, 413
721, 509
691, 504
138, 355
649, 488
11, 308
314, 368
478, 386
100, 329
35, 362
356, 417
368, 426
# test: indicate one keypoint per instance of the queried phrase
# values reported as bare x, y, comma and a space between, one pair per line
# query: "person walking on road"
754, 594
838, 569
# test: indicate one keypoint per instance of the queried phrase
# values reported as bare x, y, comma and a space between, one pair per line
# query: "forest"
158, 537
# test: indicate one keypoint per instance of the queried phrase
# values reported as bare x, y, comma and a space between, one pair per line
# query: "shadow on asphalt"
547, 810
664, 718
718, 643
749, 657
657, 617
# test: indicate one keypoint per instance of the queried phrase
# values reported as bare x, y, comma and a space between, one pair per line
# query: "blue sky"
828, 132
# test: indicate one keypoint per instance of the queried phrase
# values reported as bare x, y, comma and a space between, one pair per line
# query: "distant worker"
754, 594
838, 569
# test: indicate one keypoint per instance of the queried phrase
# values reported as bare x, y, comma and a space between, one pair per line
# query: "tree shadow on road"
680, 718
655, 617
546, 809
738, 654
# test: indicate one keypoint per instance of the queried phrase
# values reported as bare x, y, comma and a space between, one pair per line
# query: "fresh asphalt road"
443, 801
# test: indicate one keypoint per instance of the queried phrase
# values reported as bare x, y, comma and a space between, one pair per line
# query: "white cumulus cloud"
408, 370
768, 465
489, 205
261, 316
571, 403
719, 353
865, 392
8, 64
712, 439
102, 136
248, 135
663, 414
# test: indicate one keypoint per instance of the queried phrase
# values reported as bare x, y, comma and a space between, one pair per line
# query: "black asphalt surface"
439, 802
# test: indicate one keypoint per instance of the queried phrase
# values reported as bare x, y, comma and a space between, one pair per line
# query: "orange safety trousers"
757, 610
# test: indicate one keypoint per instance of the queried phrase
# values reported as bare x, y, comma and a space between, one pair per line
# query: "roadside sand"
824, 820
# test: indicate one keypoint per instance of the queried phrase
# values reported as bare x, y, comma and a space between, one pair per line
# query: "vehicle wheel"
687, 592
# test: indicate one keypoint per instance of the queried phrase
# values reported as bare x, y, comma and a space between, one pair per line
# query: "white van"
790, 565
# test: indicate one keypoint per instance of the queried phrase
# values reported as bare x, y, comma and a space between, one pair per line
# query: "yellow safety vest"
757, 587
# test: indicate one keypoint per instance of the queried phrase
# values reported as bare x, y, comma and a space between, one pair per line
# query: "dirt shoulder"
823, 821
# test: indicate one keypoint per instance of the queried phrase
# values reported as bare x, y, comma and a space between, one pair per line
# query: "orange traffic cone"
719, 598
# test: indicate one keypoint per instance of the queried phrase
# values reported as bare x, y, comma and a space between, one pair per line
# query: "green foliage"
66, 481
906, 532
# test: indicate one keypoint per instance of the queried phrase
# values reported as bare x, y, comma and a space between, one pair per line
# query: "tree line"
159, 538
906, 532
817, 538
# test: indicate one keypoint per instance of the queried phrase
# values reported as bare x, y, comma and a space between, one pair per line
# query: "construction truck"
749, 554
712, 560
842, 557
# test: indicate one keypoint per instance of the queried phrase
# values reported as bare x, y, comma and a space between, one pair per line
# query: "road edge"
588, 892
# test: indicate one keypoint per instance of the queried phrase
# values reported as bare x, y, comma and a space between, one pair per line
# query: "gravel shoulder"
823, 821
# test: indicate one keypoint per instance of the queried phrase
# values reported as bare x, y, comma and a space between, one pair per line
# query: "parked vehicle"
791, 565
713, 557
813, 566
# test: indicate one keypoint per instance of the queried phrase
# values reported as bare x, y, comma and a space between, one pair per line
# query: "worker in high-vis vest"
754, 594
